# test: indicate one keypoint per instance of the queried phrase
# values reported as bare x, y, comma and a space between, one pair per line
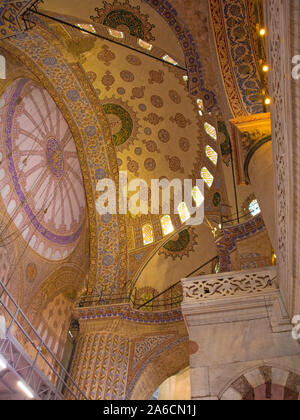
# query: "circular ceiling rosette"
40, 177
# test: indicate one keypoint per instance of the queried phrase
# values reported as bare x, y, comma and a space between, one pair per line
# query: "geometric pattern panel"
182, 244
11, 11
122, 15
144, 347
100, 366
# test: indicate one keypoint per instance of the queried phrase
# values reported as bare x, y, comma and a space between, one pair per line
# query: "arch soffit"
53, 70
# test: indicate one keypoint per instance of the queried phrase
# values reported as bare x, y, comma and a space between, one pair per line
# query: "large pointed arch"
52, 67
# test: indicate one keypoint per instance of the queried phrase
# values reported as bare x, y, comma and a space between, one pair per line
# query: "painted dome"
40, 177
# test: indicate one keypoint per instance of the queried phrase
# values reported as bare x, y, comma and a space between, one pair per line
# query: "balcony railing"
233, 284
170, 298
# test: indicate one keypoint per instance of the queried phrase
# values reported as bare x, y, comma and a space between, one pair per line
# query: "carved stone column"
100, 362
252, 147
283, 43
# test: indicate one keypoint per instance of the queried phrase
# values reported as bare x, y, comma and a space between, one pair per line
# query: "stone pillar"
100, 363
252, 147
282, 19
261, 177
236, 322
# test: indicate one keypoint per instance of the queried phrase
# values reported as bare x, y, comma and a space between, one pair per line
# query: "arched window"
2, 67
200, 106
87, 27
183, 211
217, 267
254, 208
116, 34
211, 154
207, 177
148, 237
170, 60
210, 130
145, 45
167, 225
197, 196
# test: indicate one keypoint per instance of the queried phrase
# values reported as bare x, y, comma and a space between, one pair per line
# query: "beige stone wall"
254, 252
261, 174
162, 271
177, 387
234, 334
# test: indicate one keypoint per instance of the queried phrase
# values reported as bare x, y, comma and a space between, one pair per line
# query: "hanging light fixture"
3, 363
25, 389
266, 68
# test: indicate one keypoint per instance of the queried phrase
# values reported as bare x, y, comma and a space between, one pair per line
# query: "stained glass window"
2, 67
170, 60
197, 196
217, 267
210, 130
183, 211
166, 224
87, 27
115, 33
211, 154
207, 177
155, 395
254, 208
200, 106
145, 45
148, 237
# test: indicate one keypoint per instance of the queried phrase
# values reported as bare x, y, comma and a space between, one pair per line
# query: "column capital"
248, 134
